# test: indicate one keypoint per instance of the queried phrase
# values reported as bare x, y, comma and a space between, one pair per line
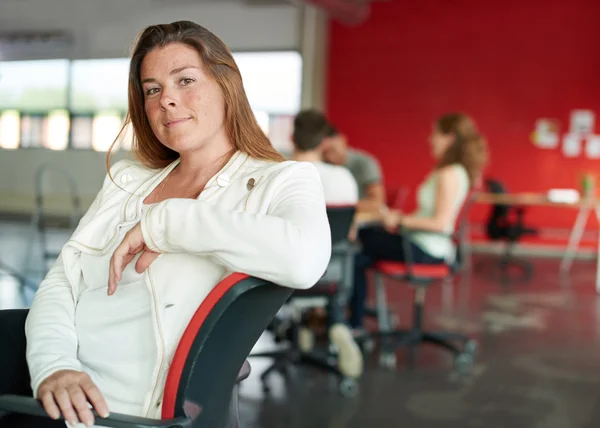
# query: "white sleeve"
351, 187
290, 245
50, 327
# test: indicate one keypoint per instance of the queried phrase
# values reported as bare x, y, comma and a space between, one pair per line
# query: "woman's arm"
289, 245
447, 192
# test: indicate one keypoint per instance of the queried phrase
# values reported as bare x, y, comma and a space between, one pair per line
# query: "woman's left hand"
133, 243
391, 220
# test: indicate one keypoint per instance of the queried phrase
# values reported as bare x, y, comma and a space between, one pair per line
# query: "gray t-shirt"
364, 168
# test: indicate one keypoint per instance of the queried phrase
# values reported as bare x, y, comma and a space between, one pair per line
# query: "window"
56, 104
9, 129
34, 85
105, 128
98, 85
273, 84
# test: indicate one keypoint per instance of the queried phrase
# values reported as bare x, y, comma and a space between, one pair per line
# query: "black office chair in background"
506, 223
330, 292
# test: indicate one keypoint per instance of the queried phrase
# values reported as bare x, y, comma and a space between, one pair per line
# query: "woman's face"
439, 142
184, 106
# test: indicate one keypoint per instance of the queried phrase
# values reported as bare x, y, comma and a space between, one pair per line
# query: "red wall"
506, 65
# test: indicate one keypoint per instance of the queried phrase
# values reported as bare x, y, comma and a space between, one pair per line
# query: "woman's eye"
151, 91
186, 81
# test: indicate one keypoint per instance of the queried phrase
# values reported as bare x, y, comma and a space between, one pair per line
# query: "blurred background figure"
363, 166
310, 129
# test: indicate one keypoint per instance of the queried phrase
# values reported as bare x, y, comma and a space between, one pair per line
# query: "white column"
313, 42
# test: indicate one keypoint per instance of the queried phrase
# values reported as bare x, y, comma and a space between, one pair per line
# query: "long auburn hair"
469, 148
240, 123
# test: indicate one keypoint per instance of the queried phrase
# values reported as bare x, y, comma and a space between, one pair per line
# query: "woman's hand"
391, 220
133, 243
68, 392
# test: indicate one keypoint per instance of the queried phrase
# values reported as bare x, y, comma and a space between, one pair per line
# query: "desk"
584, 207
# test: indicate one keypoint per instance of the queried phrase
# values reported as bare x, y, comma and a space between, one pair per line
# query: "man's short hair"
332, 131
310, 128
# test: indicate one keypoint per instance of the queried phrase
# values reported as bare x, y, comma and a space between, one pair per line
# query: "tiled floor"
538, 365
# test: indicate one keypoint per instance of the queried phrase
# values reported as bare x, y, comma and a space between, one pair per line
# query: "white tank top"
126, 338
435, 245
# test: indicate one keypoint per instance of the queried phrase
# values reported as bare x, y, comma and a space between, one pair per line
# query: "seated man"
340, 188
364, 168
310, 129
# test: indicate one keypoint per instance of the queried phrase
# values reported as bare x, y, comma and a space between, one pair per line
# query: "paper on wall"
582, 122
571, 145
592, 147
546, 134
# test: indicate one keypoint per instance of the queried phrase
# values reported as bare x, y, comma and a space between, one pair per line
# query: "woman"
209, 196
460, 155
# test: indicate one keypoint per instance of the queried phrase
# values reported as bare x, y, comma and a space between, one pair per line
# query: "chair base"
503, 271
285, 358
463, 353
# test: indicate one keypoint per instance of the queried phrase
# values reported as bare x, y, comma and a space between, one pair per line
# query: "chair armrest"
31, 406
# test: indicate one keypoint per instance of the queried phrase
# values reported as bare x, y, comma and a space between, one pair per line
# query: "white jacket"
276, 229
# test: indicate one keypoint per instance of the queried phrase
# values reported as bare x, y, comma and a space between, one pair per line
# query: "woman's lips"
175, 122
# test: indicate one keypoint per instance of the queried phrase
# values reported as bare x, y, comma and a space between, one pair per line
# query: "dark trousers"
378, 245
14, 373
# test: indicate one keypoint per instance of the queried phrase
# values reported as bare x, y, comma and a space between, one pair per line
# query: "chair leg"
269, 354
318, 362
279, 364
440, 340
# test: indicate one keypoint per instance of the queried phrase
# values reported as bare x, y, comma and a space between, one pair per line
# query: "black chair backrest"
499, 211
340, 221
461, 234
207, 362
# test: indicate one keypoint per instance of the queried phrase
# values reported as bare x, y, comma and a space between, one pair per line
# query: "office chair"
206, 366
505, 223
420, 277
336, 293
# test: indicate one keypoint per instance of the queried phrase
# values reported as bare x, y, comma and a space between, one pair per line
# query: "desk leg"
597, 211
575, 239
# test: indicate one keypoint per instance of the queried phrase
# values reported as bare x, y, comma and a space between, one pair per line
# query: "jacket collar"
221, 179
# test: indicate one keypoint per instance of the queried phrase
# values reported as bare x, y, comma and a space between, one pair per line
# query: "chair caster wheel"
388, 360
464, 363
367, 346
348, 387
470, 347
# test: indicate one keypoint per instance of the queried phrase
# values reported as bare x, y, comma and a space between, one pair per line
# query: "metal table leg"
575, 238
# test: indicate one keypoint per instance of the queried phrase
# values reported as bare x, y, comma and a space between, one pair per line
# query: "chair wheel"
470, 347
367, 346
348, 387
464, 363
388, 360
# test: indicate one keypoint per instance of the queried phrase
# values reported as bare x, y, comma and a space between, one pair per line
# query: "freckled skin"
189, 95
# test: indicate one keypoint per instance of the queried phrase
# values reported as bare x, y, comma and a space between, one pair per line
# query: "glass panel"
99, 84
34, 85
81, 132
56, 136
280, 132
32, 130
9, 129
105, 128
272, 80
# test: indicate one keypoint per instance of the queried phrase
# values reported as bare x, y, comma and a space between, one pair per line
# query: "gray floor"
538, 365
